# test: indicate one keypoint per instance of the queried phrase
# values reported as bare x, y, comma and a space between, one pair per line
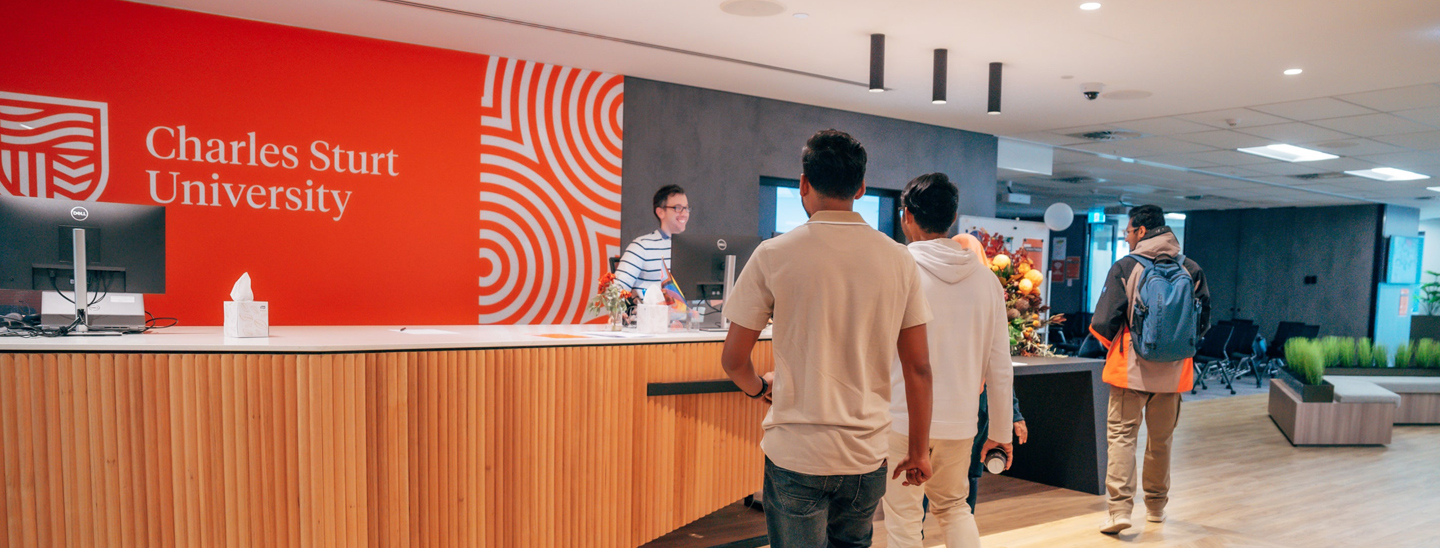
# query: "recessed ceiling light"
877, 90
1434, 188
801, 15
993, 113
938, 102
1292, 72
1090, 6
1175, 216
1388, 174
1288, 153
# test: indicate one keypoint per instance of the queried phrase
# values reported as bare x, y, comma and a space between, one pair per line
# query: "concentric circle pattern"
550, 167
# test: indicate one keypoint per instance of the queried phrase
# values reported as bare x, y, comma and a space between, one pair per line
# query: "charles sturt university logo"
51, 147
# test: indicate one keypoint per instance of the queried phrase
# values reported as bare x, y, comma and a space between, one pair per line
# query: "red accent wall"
409, 245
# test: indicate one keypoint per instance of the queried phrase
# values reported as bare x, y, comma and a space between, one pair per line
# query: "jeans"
805, 511
977, 464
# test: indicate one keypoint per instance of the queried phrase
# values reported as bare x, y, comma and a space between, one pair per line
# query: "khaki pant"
1160, 412
948, 486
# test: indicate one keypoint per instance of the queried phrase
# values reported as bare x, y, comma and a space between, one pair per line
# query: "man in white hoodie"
969, 349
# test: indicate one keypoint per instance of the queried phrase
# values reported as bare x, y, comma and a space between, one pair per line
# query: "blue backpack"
1164, 323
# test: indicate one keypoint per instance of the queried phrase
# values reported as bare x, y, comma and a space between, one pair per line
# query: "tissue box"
247, 319
653, 319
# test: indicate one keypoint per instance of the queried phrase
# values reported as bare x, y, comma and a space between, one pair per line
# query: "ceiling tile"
1211, 184
1313, 109
1429, 116
1116, 148
1370, 125
1229, 158
1225, 139
1049, 138
1388, 100
1166, 145
1296, 133
1340, 164
1354, 147
1235, 171
1282, 168
1407, 160
1161, 126
1243, 118
1180, 160
1429, 140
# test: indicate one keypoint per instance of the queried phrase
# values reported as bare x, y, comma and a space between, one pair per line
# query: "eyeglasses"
678, 208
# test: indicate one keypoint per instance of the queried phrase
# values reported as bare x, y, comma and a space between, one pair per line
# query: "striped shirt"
646, 261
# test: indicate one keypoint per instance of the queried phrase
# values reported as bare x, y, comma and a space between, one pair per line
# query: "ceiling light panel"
1288, 153
1388, 174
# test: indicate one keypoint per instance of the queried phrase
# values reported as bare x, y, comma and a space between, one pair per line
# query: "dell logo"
721, 244
79, 213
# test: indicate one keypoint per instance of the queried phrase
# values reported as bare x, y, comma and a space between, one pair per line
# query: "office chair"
1211, 353
1239, 353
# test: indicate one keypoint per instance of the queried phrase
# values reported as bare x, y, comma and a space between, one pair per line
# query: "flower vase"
616, 322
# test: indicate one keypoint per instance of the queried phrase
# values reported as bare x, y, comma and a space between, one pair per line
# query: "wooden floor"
1237, 482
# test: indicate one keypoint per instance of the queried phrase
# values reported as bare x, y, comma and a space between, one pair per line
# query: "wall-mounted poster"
1403, 265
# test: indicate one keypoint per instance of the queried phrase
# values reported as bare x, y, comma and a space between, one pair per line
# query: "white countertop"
378, 338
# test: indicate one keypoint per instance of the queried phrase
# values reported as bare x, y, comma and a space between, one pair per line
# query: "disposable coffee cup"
995, 461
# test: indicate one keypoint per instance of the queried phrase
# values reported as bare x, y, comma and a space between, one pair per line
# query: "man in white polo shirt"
646, 261
844, 299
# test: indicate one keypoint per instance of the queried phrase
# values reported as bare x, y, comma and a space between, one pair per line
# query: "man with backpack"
1153, 310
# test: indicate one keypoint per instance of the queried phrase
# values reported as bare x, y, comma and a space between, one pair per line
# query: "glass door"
1102, 249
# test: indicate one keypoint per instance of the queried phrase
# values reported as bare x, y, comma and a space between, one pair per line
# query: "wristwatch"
764, 386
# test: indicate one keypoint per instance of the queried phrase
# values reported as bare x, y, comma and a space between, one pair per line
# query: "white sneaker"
1115, 524
1156, 516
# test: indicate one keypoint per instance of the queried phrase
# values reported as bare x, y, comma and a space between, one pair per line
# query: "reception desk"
366, 436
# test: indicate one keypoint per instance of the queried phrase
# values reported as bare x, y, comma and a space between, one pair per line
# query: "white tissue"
653, 295
241, 291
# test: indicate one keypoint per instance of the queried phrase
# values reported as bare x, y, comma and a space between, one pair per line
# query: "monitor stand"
724, 295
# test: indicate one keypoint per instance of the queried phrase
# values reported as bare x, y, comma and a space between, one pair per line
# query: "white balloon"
1059, 216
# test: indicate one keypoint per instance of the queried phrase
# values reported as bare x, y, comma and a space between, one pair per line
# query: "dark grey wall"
717, 145
1256, 260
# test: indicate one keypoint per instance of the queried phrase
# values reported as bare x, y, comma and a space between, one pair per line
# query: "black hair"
1149, 216
663, 195
834, 163
933, 200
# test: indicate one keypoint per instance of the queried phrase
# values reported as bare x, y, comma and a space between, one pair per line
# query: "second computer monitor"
698, 260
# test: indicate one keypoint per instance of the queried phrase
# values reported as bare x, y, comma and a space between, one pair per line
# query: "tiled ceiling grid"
1397, 128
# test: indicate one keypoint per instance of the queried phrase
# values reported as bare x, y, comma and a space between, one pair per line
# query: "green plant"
1427, 353
1364, 353
1330, 351
1404, 355
1382, 356
1349, 357
1430, 293
1306, 359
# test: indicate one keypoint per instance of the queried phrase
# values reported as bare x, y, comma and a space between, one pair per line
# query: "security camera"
1092, 90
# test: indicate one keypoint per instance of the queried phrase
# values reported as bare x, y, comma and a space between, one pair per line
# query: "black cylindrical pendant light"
937, 95
994, 107
877, 63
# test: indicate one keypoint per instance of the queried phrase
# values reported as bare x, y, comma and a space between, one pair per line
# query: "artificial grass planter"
1306, 361
1383, 371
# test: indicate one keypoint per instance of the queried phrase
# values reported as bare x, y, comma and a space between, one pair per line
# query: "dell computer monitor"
697, 261
124, 245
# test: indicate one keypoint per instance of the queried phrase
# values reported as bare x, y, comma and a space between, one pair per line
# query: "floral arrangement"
1022, 284
610, 300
